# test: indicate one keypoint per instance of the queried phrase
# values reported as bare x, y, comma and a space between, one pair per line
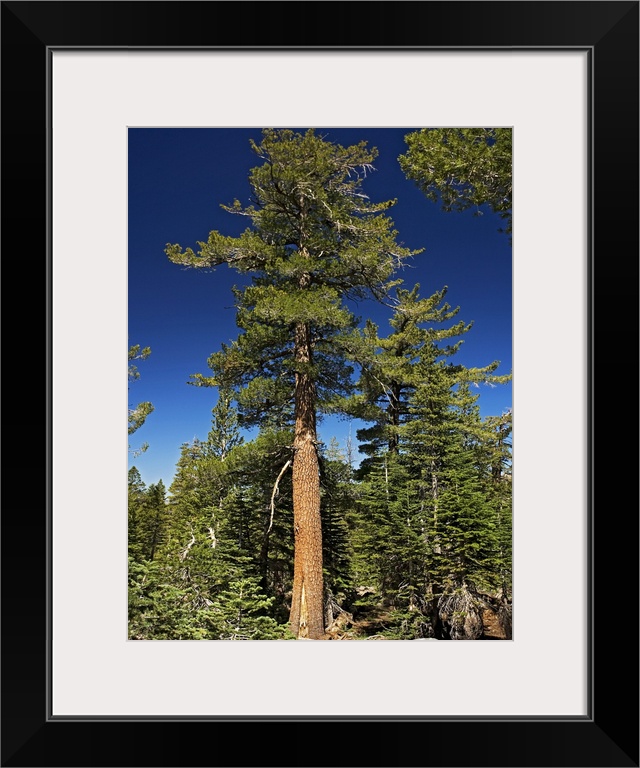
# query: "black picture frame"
608, 736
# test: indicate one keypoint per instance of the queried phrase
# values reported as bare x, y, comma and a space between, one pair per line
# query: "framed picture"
78, 77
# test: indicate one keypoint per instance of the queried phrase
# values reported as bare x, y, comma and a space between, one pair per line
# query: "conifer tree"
494, 447
390, 373
205, 581
338, 509
428, 524
152, 526
224, 434
137, 493
138, 414
464, 552
315, 241
462, 168
147, 517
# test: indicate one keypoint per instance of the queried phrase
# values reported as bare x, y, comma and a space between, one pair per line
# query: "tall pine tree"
428, 526
315, 241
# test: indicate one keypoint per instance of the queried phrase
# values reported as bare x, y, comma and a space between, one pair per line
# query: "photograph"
321, 434
360, 384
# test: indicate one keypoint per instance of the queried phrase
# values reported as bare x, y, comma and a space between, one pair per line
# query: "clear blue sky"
178, 177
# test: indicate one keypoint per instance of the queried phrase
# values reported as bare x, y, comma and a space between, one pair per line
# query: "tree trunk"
307, 604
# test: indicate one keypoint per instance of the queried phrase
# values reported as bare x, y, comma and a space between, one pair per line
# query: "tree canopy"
463, 168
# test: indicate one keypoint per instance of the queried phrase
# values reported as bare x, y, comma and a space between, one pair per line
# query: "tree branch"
275, 492
185, 552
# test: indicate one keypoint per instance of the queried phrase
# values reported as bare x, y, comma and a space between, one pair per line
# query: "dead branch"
275, 492
185, 552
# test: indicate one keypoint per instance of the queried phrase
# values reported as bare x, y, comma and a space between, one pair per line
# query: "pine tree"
241, 613
463, 555
147, 517
138, 414
152, 526
462, 168
204, 580
137, 493
224, 434
389, 372
494, 448
338, 511
315, 241
428, 524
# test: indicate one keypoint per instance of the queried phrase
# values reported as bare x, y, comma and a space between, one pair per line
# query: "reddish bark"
307, 604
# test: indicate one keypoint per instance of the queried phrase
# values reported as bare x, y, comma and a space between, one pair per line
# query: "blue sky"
179, 177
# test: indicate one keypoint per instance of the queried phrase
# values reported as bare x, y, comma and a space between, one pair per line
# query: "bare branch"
275, 492
185, 552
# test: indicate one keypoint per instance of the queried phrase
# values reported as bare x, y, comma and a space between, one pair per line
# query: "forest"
265, 532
